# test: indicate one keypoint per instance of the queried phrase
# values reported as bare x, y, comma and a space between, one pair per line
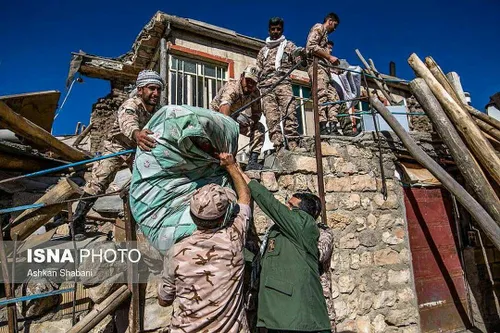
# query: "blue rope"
66, 166
18, 208
30, 297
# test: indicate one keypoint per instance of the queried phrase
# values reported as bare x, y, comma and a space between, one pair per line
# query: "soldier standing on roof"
127, 132
231, 97
274, 60
317, 47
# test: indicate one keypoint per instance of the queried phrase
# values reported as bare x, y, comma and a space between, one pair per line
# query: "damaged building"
407, 257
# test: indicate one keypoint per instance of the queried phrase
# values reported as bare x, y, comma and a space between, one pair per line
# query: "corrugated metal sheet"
439, 277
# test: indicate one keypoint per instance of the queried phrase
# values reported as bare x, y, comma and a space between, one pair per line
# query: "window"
194, 82
304, 109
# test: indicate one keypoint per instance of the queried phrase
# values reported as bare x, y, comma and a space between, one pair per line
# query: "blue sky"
37, 38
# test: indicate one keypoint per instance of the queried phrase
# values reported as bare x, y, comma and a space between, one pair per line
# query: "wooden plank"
38, 107
23, 163
470, 132
466, 162
489, 226
38, 135
163, 70
82, 135
32, 219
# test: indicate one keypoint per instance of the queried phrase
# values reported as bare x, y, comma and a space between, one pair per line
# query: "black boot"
323, 128
253, 162
81, 211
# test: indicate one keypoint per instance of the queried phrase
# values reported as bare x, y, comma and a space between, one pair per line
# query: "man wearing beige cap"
203, 273
234, 95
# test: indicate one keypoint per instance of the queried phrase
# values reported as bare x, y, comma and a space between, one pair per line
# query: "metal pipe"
317, 141
163, 70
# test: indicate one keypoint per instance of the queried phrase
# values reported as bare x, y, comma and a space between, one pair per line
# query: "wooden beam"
387, 95
488, 225
101, 310
454, 80
24, 163
32, 219
439, 75
37, 135
82, 135
472, 135
464, 159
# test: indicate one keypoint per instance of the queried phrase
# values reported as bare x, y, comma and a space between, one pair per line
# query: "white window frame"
207, 89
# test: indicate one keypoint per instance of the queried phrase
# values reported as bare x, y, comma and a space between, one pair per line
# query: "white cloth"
348, 84
281, 44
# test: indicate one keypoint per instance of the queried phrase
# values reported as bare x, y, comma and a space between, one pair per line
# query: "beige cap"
211, 201
251, 72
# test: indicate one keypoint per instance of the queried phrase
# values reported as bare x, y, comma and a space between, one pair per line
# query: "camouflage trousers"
277, 107
326, 93
104, 171
256, 134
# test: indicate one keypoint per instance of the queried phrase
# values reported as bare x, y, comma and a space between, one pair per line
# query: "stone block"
341, 310
371, 221
333, 184
353, 304
330, 149
405, 295
60, 326
346, 284
285, 182
404, 256
331, 202
379, 325
40, 306
252, 174
379, 277
386, 298
268, 179
398, 277
366, 203
386, 221
402, 317
304, 164
350, 202
365, 302
386, 257
366, 259
341, 260
369, 238
338, 219
101, 291
360, 223
349, 241
342, 167
392, 201
354, 261
363, 183
335, 289
363, 325
394, 237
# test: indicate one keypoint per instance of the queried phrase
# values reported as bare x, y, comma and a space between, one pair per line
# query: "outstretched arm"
229, 163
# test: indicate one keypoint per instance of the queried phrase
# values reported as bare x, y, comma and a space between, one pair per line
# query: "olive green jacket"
290, 293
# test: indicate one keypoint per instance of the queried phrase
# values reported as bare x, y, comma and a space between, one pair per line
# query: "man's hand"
143, 140
226, 160
333, 59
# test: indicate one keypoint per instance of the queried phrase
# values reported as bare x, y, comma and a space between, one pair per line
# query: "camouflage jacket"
232, 93
204, 274
267, 71
132, 115
317, 40
325, 246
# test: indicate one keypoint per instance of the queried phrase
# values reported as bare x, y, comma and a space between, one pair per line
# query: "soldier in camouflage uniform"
231, 97
317, 47
203, 273
325, 247
127, 133
274, 60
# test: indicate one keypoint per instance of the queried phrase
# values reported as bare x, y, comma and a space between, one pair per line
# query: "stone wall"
371, 270
103, 115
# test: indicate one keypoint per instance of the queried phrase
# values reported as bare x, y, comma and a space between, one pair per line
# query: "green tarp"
164, 179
